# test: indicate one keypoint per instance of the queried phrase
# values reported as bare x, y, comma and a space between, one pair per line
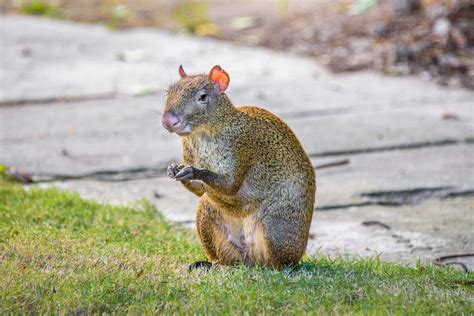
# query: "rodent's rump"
255, 182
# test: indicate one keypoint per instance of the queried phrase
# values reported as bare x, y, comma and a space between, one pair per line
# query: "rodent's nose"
170, 121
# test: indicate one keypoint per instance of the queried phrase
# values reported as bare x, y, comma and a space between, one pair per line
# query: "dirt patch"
434, 38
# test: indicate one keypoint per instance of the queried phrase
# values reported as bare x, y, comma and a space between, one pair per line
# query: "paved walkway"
80, 108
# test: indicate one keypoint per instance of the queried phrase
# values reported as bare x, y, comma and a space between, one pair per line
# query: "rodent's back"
278, 156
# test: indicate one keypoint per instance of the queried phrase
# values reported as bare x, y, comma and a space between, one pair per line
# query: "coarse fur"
255, 182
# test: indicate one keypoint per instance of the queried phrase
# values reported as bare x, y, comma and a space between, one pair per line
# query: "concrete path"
80, 108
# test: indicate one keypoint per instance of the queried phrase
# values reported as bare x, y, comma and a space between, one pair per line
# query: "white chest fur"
213, 154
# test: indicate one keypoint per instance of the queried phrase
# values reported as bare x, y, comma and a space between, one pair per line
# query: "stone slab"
83, 59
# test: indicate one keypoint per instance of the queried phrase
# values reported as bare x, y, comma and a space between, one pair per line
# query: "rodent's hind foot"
206, 265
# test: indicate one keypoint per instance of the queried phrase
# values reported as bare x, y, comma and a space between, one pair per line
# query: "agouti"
255, 182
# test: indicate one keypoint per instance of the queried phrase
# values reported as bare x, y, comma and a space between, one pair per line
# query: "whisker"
156, 112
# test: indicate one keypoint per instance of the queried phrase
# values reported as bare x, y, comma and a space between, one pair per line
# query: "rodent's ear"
219, 78
182, 73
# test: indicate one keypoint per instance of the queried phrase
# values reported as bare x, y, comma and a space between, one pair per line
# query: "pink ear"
182, 73
219, 78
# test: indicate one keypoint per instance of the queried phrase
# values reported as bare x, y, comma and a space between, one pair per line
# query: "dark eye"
203, 97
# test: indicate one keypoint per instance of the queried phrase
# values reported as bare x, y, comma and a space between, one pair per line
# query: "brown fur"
257, 185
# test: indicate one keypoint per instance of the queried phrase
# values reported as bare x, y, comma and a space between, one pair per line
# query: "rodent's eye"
203, 98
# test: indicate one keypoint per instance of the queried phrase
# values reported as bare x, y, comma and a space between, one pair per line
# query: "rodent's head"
193, 101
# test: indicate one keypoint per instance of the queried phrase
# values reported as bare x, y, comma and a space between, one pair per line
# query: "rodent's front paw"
173, 170
187, 173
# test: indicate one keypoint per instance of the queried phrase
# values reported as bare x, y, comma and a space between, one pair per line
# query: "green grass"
41, 7
62, 254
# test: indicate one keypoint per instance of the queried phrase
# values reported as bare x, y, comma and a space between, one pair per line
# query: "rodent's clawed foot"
173, 169
187, 173
206, 265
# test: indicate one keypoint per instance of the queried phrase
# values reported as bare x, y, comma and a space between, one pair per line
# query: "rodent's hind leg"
285, 241
203, 225
214, 236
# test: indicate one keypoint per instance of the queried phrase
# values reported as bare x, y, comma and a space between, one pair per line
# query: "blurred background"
379, 93
398, 37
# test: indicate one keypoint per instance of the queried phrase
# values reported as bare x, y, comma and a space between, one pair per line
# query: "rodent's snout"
170, 121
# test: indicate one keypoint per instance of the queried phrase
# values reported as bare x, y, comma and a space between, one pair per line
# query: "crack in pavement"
132, 173
404, 197
59, 99
356, 109
409, 146
104, 175
398, 198
316, 113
